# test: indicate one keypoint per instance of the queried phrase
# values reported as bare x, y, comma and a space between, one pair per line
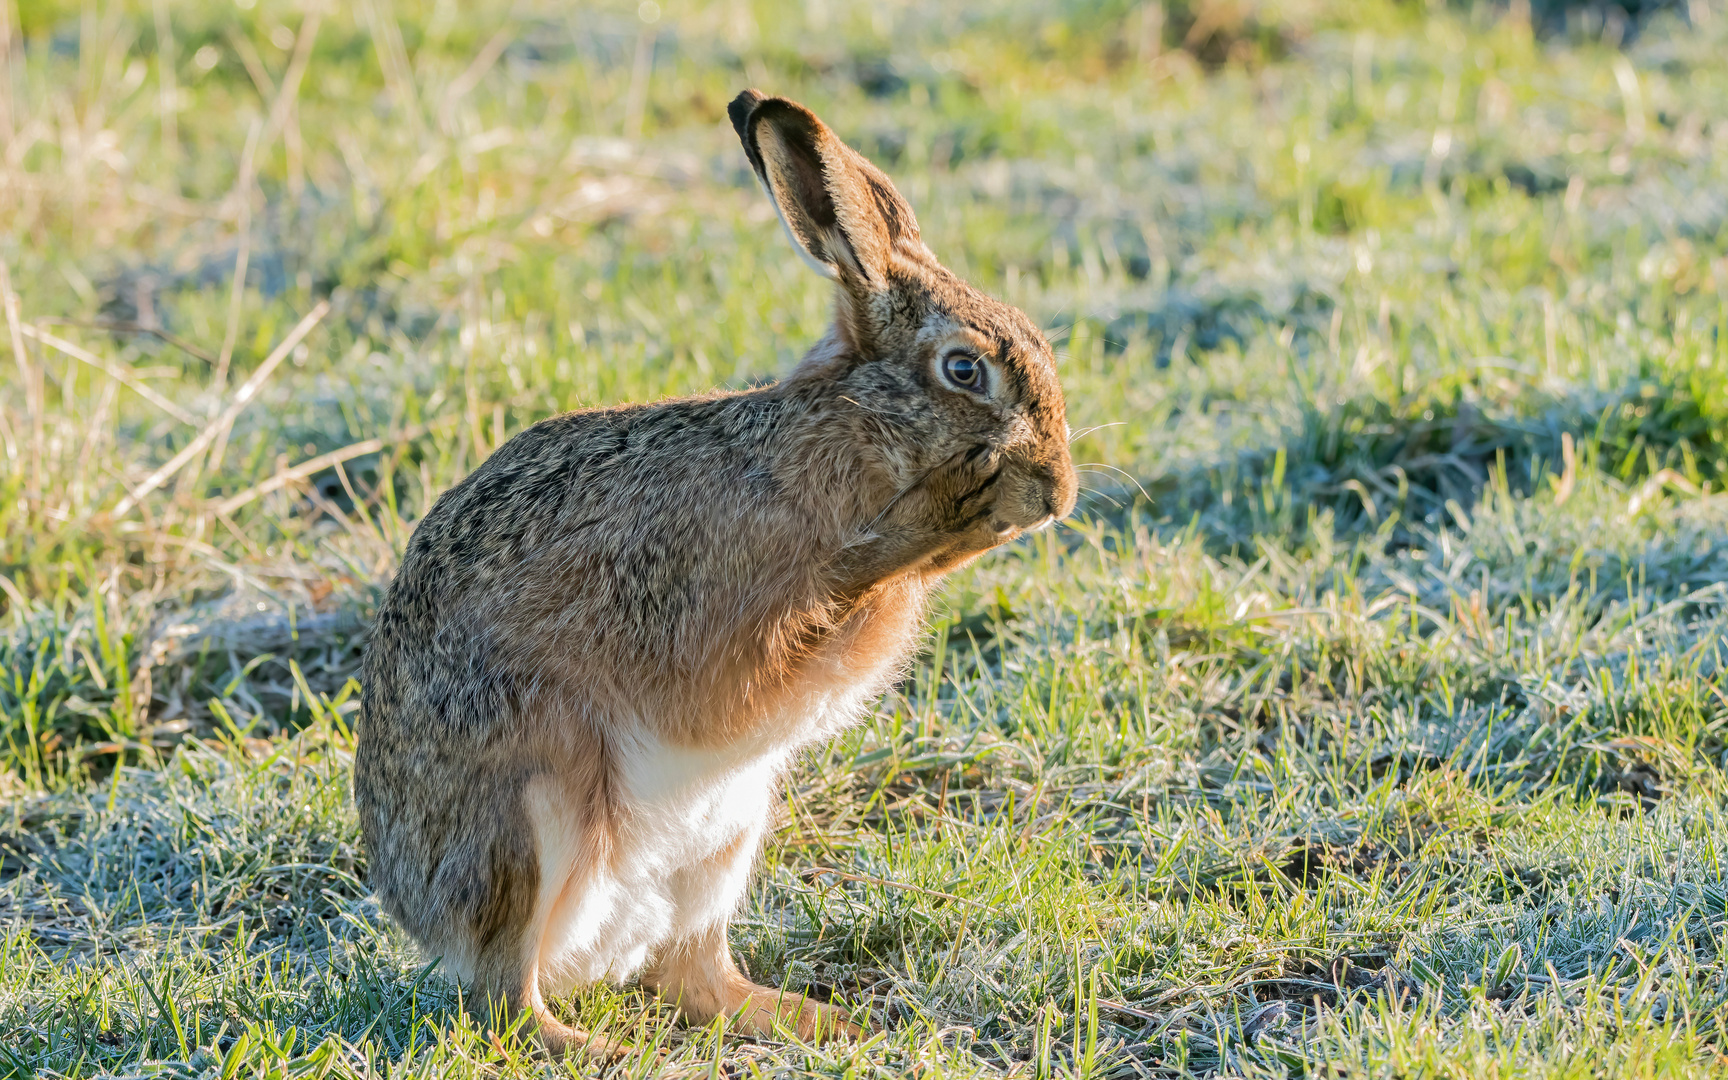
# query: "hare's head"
961, 389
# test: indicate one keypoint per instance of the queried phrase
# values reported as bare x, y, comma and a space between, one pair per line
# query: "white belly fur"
684, 840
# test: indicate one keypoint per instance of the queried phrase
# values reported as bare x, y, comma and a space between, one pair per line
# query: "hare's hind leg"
514, 986
512, 887
696, 971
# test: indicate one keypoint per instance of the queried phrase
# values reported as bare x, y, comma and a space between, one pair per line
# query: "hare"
606, 644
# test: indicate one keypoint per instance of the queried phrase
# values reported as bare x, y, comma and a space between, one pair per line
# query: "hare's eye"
963, 370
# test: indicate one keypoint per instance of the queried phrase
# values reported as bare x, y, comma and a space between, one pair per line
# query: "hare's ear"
842, 213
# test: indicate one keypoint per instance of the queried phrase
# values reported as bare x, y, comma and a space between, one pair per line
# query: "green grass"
1368, 719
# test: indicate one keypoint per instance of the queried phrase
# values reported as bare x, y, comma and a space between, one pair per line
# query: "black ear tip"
741, 108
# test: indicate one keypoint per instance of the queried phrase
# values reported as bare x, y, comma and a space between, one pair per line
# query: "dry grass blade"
236, 295
167, 94
242, 397
27, 372
8, 437
283, 106
113, 371
122, 326
253, 63
472, 74
243, 254
6, 73
284, 113
313, 466
393, 59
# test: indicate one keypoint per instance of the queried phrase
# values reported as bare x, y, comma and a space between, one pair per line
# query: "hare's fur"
604, 646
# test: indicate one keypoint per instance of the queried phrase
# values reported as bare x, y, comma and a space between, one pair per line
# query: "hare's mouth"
1007, 530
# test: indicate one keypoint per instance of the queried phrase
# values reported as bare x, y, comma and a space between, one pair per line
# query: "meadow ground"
1366, 720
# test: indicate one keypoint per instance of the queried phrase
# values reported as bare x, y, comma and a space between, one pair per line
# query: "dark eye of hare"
963, 370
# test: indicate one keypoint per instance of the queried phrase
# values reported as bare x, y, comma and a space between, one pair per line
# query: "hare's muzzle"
1034, 490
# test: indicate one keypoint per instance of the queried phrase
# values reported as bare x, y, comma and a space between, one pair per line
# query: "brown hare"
604, 646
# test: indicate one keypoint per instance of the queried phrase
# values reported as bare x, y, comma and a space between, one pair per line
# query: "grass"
1367, 719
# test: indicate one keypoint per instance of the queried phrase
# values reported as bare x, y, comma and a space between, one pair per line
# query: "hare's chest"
687, 828
682, 805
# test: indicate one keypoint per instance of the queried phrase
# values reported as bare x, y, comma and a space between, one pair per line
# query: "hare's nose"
1060, 490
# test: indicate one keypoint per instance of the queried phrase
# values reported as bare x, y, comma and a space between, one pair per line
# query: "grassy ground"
1367, 720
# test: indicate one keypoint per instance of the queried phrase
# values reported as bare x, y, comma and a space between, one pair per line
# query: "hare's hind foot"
561, 1041
508, 990
813, 1021
558, 1039
701, 979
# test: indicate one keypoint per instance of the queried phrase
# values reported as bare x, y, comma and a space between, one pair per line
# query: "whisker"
1122, 472
1099, 493
1114, 502
1083, 432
